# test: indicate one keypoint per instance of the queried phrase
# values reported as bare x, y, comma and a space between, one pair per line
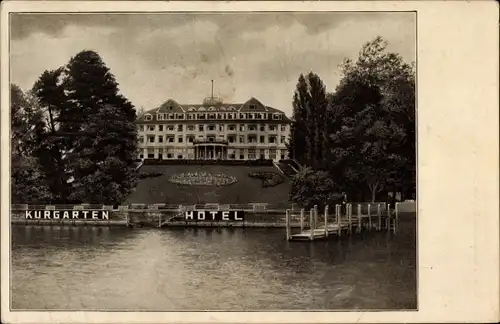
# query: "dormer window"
192, 109
201, 109
276, 116
231, 108
148, 117
251, 107
159, 116
211, 109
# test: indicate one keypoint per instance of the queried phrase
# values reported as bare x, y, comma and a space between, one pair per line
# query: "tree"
310, 187
51, 135
103, 121
310, 111
28, 183
373, 129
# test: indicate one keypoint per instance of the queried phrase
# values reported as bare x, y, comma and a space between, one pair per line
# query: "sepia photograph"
218, 161
213, 161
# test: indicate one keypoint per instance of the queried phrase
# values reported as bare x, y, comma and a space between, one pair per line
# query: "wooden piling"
311, 224
396, 212
339, 213
349, 217
302, 220
326, 220
379, 214
287, 224
159, 220
359, 218
315, 216
370, 217
388, 218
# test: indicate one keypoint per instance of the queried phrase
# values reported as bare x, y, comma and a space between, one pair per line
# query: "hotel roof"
214, 105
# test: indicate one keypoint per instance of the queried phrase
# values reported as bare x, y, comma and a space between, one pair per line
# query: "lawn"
245, 190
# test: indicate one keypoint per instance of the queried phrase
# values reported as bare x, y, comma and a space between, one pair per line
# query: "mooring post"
396, 211
359, 218
388, 218
311, 225
349, 213
326, 220
379, 214
287, 224
370, 216
315, 216
302, 220
339, 213
159, 220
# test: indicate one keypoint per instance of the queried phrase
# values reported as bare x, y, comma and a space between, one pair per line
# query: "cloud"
159, 56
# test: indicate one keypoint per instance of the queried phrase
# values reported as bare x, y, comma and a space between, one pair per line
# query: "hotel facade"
213, 130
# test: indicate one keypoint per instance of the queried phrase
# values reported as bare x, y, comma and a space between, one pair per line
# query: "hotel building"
213, 130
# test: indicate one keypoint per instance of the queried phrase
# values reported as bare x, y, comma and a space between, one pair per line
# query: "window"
151, 139
201, 109
221, 128
190, 139
180, 139
211, 109
242, 128
190, 128
179, 128
252, 128
170, 127
169, 156
151, 128
251, 154
250, 116
211, 116
200, 128
170, 139
272, 139
242, 139
252, 107
151, 156
141, 128
283, 128
179, 157
262, 128
262, 139
141, 139
276, 116
148, 117
160, 139
159, 116
229, 116
201, 116
272, 154
232, 127
160, 128
282, 139
189, 116
242, 157
192, 109
141, 156
272, 128
180, 116
231, 139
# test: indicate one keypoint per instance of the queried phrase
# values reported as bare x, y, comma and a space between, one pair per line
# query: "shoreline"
152, 222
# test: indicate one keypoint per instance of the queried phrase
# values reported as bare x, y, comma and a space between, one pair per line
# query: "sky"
155, 57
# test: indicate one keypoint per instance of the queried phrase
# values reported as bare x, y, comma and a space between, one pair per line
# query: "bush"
145, 175
269, 179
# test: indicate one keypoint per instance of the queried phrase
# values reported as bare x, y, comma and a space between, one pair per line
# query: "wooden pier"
317, 226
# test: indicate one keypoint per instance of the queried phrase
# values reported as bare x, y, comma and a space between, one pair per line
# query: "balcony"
210, 141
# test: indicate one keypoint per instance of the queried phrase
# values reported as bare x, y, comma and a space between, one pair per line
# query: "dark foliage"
269, 179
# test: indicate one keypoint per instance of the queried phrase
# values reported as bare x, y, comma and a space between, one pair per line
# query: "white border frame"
458, 171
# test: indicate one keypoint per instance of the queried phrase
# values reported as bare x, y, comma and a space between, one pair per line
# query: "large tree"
309, 114
102, 125
373, 134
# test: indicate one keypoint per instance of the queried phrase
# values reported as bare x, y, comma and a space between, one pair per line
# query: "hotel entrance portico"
210, 150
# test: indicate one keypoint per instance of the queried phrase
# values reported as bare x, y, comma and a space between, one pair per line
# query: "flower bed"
269, 179
145, 175
202, 179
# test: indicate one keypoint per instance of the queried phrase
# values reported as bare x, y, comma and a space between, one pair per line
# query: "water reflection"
209, 269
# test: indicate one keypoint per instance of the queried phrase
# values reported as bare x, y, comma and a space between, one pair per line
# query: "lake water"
96, 268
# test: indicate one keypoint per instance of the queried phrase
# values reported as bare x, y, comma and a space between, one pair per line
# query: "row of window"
252, 155
231, 139
214, 116
220, 128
